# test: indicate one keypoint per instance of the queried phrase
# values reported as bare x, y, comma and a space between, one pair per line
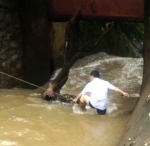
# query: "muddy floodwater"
27, 120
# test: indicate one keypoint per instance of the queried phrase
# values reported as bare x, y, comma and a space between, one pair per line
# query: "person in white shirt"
94, 93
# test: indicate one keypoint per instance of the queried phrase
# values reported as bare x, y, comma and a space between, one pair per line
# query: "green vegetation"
122, 40
134, 31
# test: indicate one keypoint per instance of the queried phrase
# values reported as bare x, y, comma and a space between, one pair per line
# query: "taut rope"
22, 80
26, 82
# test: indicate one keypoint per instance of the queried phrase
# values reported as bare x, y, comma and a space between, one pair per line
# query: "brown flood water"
27, 120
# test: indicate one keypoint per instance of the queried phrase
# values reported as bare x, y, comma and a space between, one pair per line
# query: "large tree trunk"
146, 71
52, 91
138, 131
56, 84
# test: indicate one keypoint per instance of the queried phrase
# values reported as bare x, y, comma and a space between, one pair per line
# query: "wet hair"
95, 73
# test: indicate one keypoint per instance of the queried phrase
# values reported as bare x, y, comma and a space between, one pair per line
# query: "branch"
101, 37
67, 37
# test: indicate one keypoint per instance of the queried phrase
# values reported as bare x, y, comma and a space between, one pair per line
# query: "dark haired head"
95, 73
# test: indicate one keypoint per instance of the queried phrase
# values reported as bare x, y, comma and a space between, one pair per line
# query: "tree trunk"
56, 84
52, 91
146, 55
138, 131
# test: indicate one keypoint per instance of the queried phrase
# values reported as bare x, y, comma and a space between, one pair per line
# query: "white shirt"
97, 91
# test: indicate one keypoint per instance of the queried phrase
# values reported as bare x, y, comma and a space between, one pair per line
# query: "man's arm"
76, 99
122, 92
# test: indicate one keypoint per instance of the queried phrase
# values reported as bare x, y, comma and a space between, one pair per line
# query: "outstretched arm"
122, 92
78, 97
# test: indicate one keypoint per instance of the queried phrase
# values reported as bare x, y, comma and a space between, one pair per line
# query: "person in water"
95, 92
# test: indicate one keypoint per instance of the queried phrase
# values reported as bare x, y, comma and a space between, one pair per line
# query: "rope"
22, 80
26, 82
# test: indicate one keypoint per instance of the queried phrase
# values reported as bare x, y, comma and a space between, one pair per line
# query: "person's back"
97, 90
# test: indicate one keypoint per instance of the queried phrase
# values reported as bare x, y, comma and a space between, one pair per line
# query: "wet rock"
10, 45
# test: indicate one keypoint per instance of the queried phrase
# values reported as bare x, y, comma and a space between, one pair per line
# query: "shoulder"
104, 82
